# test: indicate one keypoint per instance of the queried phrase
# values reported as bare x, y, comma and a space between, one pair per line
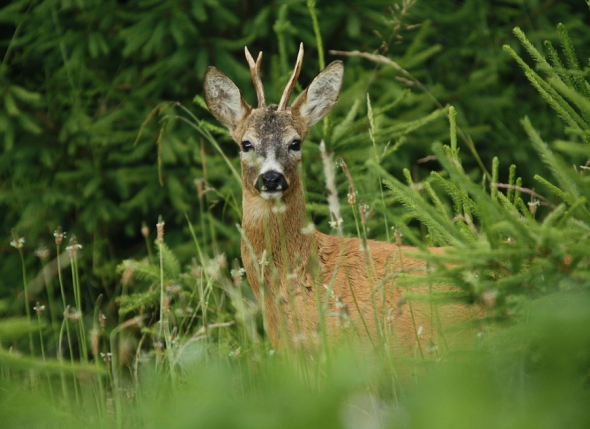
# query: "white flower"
18, 242
336, 224
309, 229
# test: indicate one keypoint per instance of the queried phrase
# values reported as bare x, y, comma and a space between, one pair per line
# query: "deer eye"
295, 145
246, 146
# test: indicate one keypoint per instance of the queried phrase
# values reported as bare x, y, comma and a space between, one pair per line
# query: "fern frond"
141, 271
137, 301
170, 261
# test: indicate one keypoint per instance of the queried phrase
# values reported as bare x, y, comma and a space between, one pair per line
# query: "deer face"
270, 137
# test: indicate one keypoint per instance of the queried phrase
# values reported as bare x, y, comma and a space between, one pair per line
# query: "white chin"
271, 195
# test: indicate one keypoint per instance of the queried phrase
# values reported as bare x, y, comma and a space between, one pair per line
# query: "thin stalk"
316, 31
42, 253
18, 243
145, 231
39, 324
39, 309
62, 377
100, 397
161, 292
73, 248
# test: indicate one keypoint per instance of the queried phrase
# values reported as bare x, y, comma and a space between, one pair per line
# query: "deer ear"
224, 98
320, 97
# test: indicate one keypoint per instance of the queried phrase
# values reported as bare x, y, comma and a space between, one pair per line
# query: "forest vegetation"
461, 123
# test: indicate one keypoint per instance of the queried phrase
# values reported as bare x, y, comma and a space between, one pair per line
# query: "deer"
309, 283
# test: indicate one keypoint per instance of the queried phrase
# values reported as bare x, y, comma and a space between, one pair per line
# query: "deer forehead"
268, 129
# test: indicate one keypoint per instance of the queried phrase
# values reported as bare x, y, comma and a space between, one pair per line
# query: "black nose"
271, 181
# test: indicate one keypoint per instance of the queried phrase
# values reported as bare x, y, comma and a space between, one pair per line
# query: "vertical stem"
161, 288
318, 35
64, 389
27, 302
78, 300
40, 332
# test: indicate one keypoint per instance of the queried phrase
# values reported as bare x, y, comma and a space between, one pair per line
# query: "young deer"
309, 280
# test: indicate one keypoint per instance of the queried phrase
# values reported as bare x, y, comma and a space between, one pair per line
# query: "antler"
292, 81
255, 70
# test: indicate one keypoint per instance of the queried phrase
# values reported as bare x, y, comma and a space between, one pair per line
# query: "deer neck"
277, 227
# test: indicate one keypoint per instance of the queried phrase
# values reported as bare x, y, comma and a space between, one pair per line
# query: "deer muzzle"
271, 182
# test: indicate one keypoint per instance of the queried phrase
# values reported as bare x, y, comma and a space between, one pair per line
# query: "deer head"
270, 137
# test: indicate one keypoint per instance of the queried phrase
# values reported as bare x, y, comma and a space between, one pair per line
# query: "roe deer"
306, 274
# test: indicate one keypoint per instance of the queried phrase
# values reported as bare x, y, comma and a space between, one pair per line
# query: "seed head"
39, 309
160, 229
196, 270
398, 237
221, 261
173, 289
107, 357
94, 341
127, 277
42, 253
309, 229
17, 242
145, 230
264, 260
533, 206
237, 274
342, 308
351, 189
200, 188
236, 353
59, 236
72, 314
351, 196
102, 320
166, 304
73, 247
363, 208
336, 223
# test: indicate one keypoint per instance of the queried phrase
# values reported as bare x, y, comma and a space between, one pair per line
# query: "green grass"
533, 374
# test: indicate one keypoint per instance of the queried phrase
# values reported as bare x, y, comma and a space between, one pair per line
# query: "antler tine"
292, 80
255, 71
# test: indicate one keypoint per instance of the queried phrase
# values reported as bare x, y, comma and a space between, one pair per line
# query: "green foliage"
516, 254
80, 78
99, 133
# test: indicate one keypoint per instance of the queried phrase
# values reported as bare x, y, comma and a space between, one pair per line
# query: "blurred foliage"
80, 78
534, 375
